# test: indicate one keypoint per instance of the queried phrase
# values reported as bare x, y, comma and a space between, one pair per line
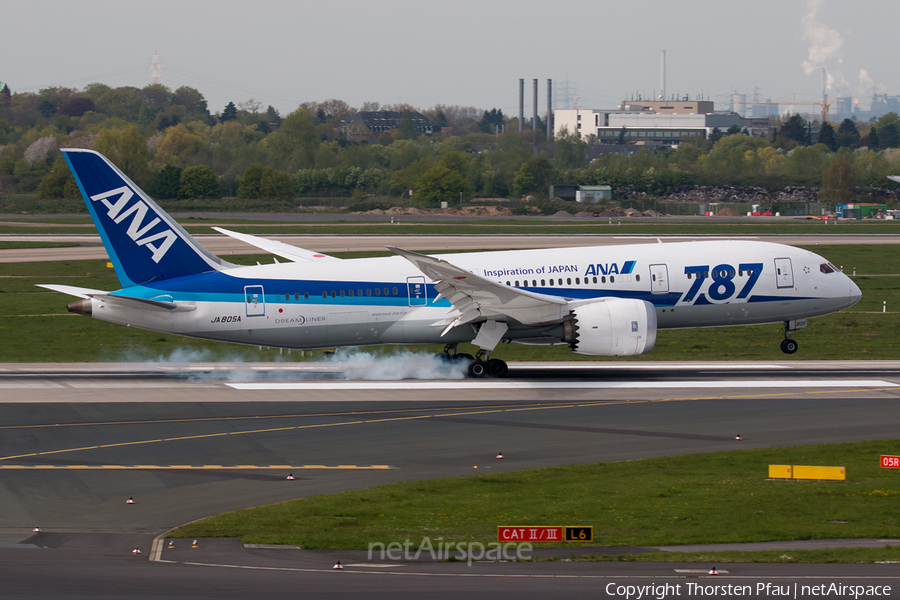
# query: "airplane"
601, 301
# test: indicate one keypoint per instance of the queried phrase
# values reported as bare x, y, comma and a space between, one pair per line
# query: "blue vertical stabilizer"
144, 243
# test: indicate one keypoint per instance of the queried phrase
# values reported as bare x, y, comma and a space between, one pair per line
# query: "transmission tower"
155, 68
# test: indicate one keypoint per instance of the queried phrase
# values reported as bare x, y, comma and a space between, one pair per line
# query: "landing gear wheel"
477, 369
789, 346
497, 368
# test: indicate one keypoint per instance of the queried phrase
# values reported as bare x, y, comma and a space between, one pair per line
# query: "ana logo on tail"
137, 231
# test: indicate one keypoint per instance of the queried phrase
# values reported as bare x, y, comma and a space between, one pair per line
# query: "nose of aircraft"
855, 294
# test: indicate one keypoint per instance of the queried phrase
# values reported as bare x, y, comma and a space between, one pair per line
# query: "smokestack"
549, 109
534, 122
662, 76
521, 105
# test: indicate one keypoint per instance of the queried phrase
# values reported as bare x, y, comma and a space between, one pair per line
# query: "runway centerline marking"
467, 412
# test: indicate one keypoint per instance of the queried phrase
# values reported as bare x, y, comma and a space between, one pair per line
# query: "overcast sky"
465, 52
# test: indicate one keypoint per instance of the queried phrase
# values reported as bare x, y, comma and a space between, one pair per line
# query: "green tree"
889, 135
127, 150
199, 182
794, 129
874, 142
168, 183
248, 187
178, 147
715, 135
275, 185
440, 184
229, 114
58, 183
570, 151
826, 136
524, 183
838, 180
847, 135
621, 137
295, 143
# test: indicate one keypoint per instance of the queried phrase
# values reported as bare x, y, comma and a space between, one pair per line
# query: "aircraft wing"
477, 298
292, 253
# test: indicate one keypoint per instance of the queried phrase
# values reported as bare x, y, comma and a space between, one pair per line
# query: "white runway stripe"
506, 384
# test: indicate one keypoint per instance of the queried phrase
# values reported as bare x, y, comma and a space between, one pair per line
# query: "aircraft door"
255, 300
659, 279
418, 296
783, 273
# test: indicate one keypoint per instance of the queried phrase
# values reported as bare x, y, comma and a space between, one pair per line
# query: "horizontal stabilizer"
86, 293
71, 290
275, 247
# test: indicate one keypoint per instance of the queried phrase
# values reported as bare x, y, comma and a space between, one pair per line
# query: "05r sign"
890, 462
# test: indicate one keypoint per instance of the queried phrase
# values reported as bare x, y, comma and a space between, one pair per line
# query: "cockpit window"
827, 267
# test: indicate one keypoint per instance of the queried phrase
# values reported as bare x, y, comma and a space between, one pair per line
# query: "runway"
189, 440
90, 247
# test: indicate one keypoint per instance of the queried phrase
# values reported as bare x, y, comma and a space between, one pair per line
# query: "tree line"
174, 147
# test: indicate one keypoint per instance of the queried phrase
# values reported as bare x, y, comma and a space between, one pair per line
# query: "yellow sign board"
807, 472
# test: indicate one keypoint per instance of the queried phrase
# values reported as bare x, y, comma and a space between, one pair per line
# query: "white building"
606, 125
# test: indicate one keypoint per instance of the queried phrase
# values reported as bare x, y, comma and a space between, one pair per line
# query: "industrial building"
642, 124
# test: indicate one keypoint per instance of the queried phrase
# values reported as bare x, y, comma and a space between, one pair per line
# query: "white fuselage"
389, 301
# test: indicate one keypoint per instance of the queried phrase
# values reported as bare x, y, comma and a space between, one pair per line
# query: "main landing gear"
480, 365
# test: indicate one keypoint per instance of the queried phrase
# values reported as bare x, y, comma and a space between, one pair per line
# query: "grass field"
409, 225
35, 327
720, 497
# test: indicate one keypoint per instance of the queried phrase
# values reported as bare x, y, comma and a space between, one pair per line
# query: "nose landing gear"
788, 345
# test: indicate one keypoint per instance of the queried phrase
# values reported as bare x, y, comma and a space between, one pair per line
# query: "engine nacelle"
615, 327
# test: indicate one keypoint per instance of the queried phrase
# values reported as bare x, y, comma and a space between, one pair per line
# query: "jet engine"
614, 327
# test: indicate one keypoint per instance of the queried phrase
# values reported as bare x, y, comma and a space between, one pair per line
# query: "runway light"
738, 437
36, 530
499, 455
290, 477
713, 571
337, 566
130, 500
171, 544
136, 551
475, 467
194, 545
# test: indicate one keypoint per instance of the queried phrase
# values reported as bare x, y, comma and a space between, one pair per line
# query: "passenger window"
333, 295
568, 281
542, 283
595, 280
395, 291
386, 293
612, 278
578, 280
342, 293
368, 292
603, 279
637, 277
377, 291
359, 293
296, 296
306, 295
324, 294
517, 284
287, 297
551, 283
350, 293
